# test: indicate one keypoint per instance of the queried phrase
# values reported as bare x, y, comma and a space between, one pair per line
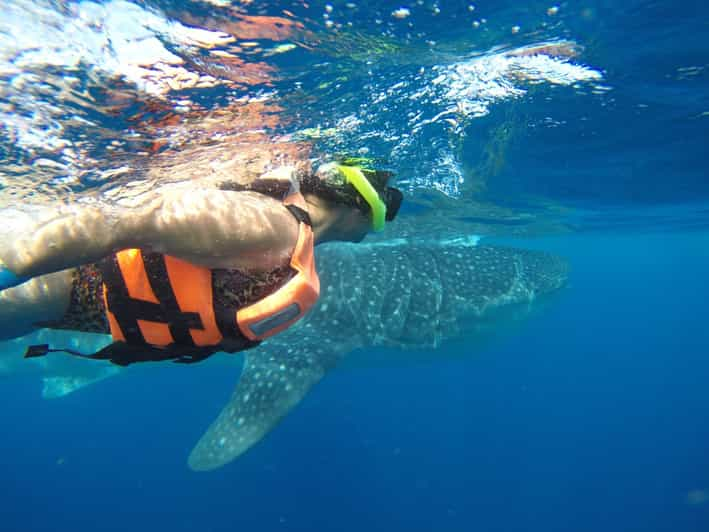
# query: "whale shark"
392, 294
403, 294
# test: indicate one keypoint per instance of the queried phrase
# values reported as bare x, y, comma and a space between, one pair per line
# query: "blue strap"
8, 279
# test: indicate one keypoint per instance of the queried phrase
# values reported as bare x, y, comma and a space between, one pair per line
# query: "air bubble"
401, 13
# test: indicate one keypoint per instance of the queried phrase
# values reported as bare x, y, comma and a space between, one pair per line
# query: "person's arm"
214, 228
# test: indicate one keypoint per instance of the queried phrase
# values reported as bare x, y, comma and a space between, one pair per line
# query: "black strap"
120, 303
179, 322
274, 188
232, 335
128, 311
123, 354
300, 214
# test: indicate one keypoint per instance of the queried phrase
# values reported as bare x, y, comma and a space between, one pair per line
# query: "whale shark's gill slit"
386, 322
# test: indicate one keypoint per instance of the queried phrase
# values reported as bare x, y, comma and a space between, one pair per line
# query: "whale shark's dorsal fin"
269, 387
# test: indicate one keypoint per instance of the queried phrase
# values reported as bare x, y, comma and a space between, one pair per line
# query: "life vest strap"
123, 354
127, 310
180, 322
119, 302
299, 214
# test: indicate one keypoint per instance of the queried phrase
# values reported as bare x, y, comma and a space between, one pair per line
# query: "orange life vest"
159, 301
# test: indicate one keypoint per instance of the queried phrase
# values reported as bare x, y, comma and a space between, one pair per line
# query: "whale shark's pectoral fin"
270, 385
59, 386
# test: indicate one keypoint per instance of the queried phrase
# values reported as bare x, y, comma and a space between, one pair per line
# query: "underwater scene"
344, 265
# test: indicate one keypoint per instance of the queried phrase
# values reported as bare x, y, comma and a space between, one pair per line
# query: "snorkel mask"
383, 206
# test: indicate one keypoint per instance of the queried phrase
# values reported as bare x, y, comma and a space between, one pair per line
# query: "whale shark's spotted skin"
388, 295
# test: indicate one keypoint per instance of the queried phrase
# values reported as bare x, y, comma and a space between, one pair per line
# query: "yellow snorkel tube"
356, 178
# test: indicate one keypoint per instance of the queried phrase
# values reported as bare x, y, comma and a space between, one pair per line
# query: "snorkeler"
190, 272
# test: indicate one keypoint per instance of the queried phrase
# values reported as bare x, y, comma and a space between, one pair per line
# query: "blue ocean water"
591, 415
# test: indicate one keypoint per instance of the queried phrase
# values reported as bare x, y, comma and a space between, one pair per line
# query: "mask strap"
356, 178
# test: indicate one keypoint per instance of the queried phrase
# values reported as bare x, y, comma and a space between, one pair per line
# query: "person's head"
356, 200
